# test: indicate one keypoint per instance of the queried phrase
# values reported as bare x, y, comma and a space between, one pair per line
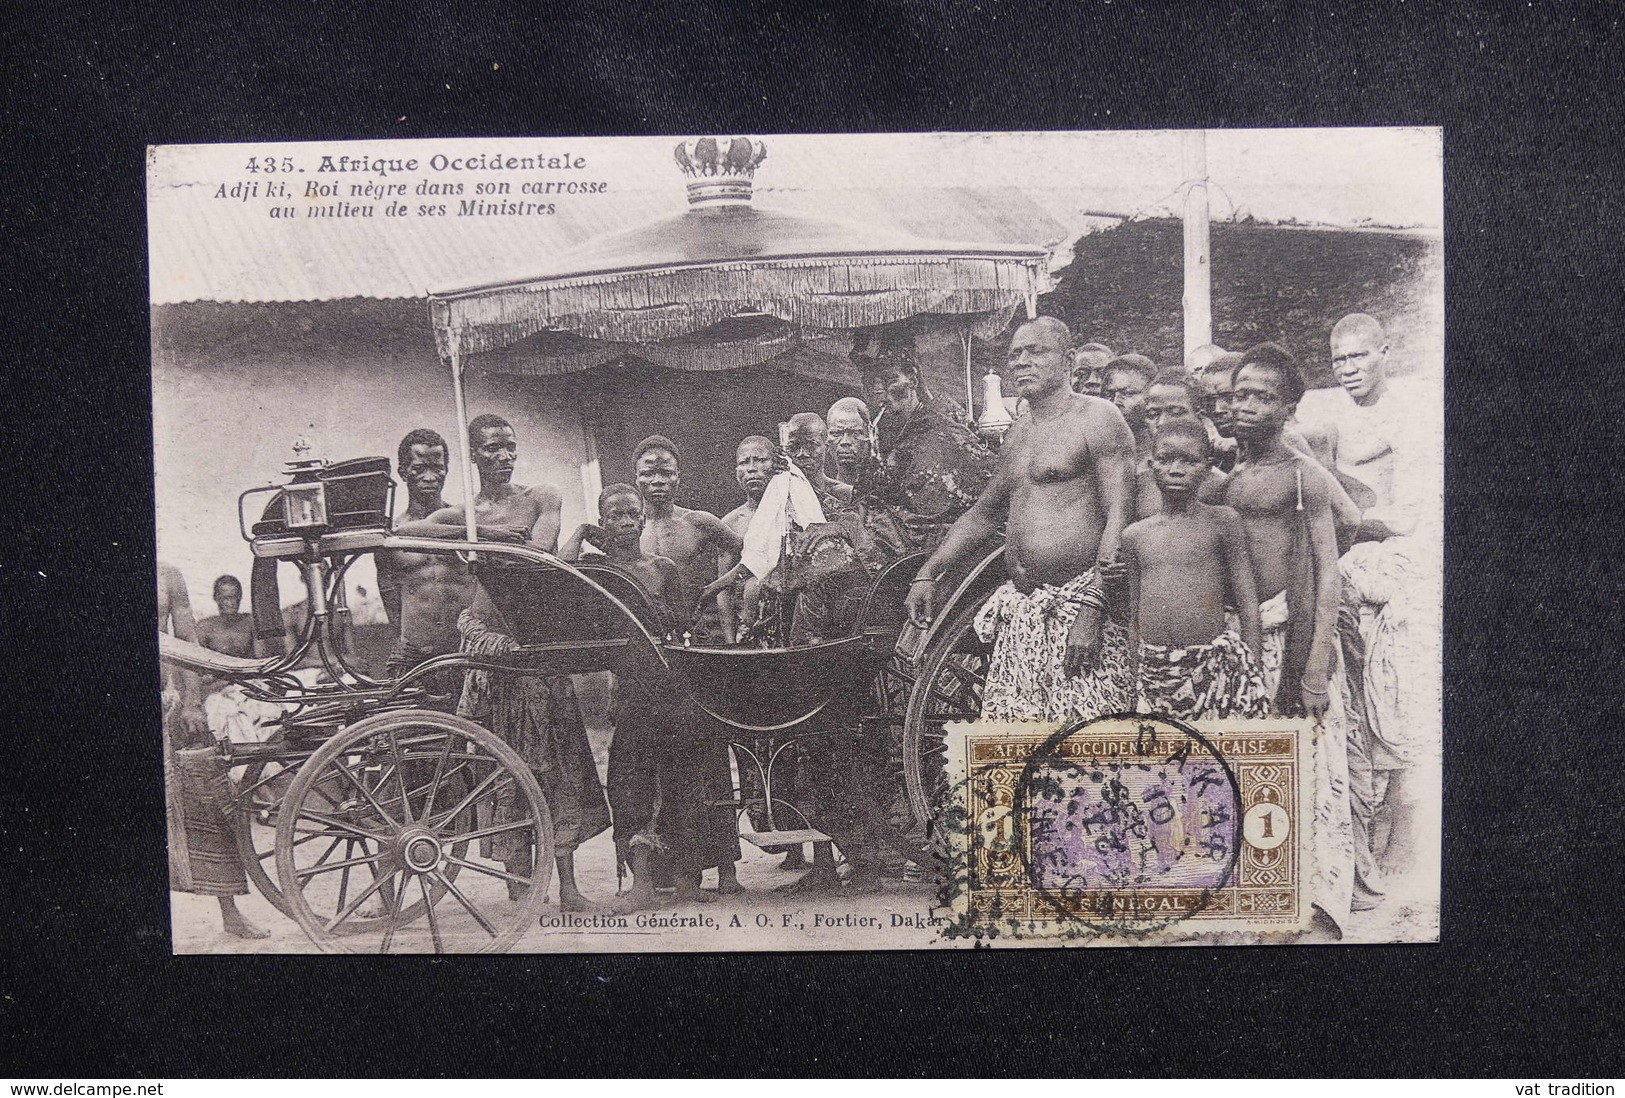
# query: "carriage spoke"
344, 879
377, 883
486, 832
457, 894
398, 899
439, 772
434, 922
334, 845
342, 825
365, 792
306, 874
400, 776
473, 795
478, 868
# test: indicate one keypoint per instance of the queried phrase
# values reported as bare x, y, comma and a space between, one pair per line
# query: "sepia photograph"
777, 542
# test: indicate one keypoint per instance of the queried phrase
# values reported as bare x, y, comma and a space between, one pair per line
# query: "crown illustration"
720, 169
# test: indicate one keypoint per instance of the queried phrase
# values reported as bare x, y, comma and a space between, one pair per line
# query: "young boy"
659, 781
1185, 565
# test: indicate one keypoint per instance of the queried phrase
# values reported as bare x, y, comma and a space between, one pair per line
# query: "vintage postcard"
780, 542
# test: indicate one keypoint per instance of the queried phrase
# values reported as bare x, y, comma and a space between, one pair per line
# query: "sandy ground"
902, 916
899, 917
766, 921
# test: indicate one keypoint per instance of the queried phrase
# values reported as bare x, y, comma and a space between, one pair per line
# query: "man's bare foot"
694, 894
234, 924
636, 898
574, 901
820, 878
728, 882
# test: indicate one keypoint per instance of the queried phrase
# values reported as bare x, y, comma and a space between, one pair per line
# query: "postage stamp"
1129, 827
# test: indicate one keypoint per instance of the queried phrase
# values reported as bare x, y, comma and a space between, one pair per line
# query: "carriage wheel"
388, 812
258, 793
952, 674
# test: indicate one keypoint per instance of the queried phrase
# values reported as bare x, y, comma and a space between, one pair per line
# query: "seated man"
931, 467
851, 438
659, 772
814, 569
807, 446
755, 461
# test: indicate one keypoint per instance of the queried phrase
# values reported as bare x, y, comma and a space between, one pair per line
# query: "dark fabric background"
1529, 99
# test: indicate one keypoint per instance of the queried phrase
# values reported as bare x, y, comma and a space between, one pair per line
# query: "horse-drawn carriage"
381, 814
372, 815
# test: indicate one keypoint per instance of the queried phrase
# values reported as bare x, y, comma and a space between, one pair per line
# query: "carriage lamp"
995, 418
304, 506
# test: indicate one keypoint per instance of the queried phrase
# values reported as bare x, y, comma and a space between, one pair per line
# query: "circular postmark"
1127, 825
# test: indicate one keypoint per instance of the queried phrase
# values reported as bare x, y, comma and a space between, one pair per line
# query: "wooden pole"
1198, 268
462, 433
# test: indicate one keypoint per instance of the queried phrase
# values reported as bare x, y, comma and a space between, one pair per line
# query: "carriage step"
784, 838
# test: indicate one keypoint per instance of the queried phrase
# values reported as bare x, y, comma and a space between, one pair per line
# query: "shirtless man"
1285, 501
696, 541
203, 854
232, 714
503, 510
1063, 491
1390, 580
230, 631
851, 439
559, 753
1124, 381
702, 548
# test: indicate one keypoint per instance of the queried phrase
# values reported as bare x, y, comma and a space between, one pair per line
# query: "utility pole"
1198, 266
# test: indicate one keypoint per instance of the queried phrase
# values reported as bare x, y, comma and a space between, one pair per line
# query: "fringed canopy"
659, 292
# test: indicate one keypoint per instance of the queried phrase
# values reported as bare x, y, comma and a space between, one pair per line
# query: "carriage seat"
195, 657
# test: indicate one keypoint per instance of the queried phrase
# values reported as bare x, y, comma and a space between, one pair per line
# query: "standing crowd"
1175, 541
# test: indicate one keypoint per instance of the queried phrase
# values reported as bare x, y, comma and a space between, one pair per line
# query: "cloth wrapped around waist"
1219, 679
1044, 601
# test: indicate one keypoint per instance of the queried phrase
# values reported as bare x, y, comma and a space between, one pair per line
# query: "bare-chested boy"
1186, 563
702, 548
544, 724
1285, 501
656, 779
1172, 395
